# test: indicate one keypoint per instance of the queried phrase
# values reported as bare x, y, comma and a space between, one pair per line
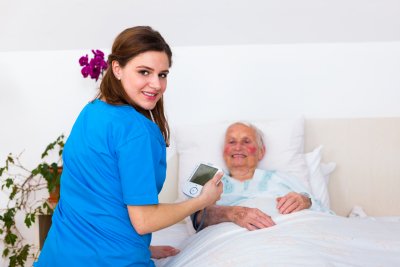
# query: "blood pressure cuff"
194, 217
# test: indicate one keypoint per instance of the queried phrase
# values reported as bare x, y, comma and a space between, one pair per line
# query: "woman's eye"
144, 72
163, 75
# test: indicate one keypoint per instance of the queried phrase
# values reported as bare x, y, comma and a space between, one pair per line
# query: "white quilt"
304, 238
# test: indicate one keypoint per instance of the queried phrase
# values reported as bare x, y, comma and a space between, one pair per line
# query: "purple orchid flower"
83, 61
95, 67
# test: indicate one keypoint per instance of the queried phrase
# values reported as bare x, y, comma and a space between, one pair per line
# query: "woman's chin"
147, 106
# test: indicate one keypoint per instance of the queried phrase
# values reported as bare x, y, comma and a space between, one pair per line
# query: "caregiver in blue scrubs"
114, 164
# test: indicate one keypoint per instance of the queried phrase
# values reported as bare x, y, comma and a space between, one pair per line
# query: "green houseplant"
22, 186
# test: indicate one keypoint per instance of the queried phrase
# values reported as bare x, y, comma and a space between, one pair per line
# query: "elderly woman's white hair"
258, 132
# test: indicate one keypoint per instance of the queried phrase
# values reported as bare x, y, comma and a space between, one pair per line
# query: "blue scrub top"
114, 157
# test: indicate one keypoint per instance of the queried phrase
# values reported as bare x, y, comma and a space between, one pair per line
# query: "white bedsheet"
304, 238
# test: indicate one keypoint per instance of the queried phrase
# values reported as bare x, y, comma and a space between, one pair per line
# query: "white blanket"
304, 238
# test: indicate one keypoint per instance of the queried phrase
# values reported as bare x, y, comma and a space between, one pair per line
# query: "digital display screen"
203, 174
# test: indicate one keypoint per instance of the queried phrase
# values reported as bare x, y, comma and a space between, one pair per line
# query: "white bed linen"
304, 238
171, 236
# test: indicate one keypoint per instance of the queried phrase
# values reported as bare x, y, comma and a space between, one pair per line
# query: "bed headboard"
367, 153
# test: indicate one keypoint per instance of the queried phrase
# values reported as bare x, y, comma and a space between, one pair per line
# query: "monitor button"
193, 190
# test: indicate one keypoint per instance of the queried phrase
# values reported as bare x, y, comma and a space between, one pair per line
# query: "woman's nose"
237, 146
155, 82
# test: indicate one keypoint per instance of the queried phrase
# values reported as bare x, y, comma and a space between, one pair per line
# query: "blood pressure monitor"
200, 176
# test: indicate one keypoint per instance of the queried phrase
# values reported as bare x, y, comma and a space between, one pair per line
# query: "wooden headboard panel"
367, 153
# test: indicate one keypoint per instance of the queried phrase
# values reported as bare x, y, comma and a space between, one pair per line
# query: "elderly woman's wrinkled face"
241, 149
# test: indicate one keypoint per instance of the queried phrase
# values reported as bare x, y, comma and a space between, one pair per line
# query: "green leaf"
33, 217
23, 255
48, 148
35, 172
10, 238
5, 252
8, 218
13, 192
28, 221
10, 159
13, 261
9, 182
58, 142
2, 170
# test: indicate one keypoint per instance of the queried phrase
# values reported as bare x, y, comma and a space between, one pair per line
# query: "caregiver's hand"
159, 252
292, 202
212, 190
250, 218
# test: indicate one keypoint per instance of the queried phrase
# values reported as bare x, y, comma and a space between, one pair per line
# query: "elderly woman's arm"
250, 218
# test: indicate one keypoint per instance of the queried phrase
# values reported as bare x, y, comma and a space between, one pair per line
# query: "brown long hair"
127, 45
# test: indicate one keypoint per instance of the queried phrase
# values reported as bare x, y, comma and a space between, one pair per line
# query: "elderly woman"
246, 186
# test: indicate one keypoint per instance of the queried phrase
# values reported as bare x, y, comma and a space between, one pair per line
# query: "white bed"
356, 171
301, 239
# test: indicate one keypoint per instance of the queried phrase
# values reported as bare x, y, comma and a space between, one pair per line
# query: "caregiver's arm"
150, 218
250, 218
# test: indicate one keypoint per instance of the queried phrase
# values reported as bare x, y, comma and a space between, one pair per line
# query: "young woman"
115, 166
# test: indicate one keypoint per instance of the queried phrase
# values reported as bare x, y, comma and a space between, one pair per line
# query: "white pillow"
319, 175
327, 169
284, 140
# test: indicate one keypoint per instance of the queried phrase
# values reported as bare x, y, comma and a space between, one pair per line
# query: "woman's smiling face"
241, 149
144, 78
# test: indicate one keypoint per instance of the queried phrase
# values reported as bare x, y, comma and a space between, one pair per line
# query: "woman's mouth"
149, 94
238, 156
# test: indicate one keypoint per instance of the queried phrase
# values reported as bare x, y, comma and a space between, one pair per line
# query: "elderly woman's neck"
242, 173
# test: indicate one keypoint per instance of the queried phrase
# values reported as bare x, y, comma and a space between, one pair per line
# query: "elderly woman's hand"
292, 202
250, 218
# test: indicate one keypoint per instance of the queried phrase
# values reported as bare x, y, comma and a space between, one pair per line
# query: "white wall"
41, 93
317, 80
48, 25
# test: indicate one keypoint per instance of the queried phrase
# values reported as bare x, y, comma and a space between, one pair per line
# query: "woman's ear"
117, 70
262, 153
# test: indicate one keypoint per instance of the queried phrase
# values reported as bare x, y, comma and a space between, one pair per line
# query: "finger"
265, 223
285, 205
159, 252
251, 227
258, 224
261, 223
263, 216
217, 177
263, 220
290, 208
173, 252
279, 202
170, 251
282, 200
